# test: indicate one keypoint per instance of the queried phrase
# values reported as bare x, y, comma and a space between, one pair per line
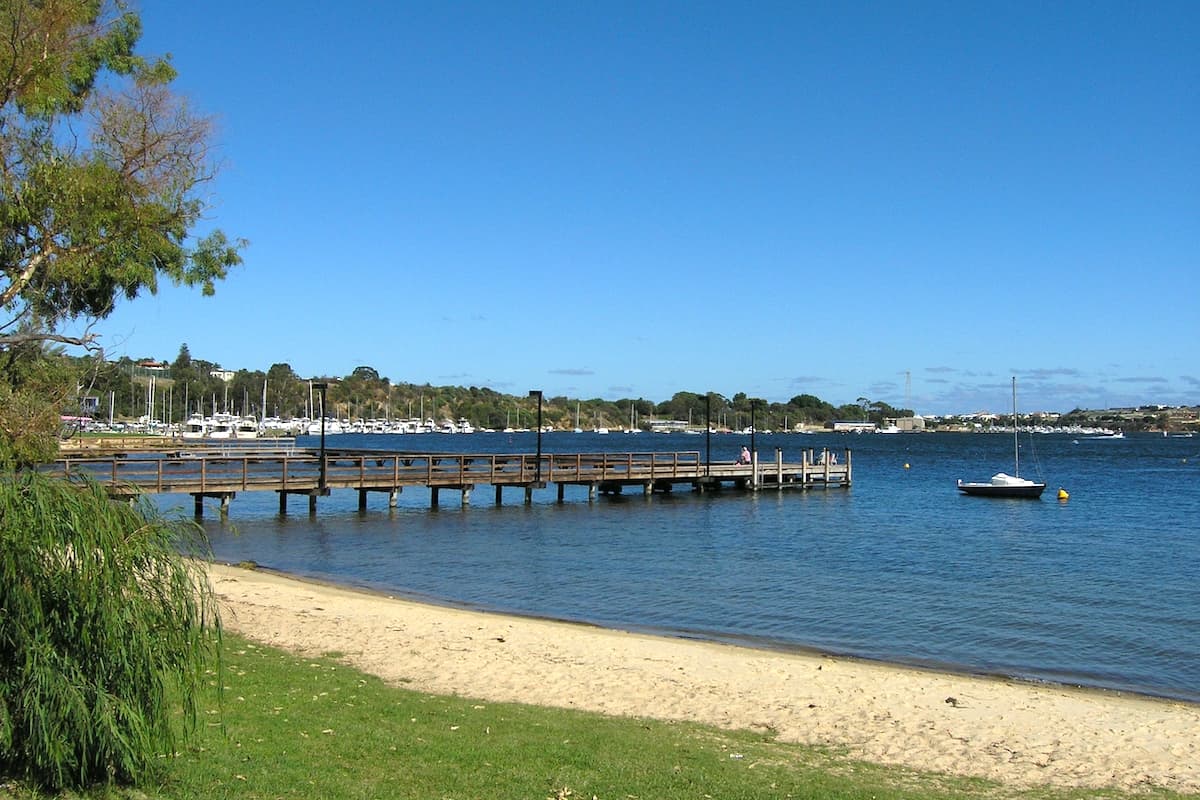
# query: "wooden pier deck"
204, 473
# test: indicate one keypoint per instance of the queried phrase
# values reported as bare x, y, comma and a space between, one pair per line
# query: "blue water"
1102, 590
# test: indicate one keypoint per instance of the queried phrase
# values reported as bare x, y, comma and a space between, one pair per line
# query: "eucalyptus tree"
286, 392
101, 172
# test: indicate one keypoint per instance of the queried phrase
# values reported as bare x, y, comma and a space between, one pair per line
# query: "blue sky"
630, 199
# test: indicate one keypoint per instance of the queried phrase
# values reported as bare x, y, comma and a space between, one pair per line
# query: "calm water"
1102, 590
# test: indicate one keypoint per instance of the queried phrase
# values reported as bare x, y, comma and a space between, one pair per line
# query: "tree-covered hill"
169, 391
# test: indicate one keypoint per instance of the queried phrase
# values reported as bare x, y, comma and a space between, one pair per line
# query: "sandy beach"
1017, 733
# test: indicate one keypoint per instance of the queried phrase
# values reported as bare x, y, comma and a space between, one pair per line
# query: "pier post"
779, 468
560, 492
283, 503
312, 505
433, 497
466, 495
753, 469
499, 494
198, 506
648, 489
362, 500
592, 492
394, 497
225, 498
528, 495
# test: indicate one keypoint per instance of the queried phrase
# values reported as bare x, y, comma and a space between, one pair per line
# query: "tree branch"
87, 340
20, 281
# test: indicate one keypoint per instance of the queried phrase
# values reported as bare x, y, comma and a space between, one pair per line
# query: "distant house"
224, 374
854, 427
908, 424
152, 365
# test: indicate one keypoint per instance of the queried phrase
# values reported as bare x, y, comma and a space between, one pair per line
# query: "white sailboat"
1004, 485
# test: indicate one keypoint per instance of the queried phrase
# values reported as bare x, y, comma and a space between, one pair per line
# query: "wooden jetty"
221, 473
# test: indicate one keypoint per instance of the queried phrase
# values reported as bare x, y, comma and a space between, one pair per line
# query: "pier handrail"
212, 472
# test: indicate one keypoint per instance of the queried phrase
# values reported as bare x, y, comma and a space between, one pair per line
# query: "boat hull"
1031, 490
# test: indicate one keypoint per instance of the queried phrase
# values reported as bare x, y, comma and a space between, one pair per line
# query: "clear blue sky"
629, 199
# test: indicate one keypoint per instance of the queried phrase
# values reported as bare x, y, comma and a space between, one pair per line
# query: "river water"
1100, 590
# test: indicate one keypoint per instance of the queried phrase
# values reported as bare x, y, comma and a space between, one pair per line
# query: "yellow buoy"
906, 465
1062, 493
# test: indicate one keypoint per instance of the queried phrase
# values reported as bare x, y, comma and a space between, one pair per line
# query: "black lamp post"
538, 467
707, 433
321, 386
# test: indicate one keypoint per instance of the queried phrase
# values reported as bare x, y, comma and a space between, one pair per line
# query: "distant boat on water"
1002, 484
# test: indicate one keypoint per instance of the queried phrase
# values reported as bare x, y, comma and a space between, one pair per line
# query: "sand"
1017, 733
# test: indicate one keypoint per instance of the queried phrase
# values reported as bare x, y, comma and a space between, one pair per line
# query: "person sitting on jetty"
744, 458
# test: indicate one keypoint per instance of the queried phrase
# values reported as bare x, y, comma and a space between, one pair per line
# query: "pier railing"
221, 473
206, 471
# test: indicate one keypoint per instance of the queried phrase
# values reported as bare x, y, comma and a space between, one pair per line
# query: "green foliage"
105, 631
28, 428
87, 220
36, 387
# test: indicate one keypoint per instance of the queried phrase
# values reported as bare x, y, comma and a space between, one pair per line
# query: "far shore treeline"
188, 385
131, 389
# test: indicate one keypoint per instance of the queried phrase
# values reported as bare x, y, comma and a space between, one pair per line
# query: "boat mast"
1016, 447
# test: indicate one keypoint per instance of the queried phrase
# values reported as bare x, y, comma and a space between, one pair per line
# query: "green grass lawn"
314, 728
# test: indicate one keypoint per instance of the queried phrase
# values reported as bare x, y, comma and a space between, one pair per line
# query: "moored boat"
1002, 484
195, 428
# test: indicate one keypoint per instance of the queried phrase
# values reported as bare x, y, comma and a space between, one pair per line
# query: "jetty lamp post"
538, 467
707, 433
321, 386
